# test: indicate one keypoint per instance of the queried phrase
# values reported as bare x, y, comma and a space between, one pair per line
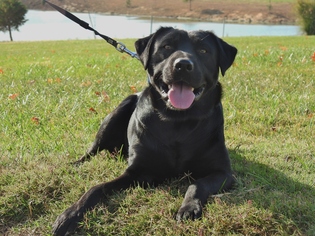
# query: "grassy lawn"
53, 96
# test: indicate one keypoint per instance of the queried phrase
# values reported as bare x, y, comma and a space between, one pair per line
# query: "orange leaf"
133, 88
86, 84
35, 120
13, 96
313, 57
92, 110
1, 71
105, 96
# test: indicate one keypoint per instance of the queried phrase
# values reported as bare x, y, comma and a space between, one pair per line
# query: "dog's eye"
167, 47
202, 51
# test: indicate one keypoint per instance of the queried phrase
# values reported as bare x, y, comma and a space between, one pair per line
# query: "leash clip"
122, 48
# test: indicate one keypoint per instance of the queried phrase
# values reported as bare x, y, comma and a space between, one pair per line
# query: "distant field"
254, 11
53, 96
258, 1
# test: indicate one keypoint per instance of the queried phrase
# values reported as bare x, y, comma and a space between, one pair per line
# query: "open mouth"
180, 95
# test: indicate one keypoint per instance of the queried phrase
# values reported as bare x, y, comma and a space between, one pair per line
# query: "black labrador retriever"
173, 127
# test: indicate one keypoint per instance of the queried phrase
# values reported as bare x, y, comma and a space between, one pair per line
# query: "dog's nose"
184, 65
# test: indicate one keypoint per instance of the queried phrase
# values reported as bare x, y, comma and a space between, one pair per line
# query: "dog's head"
183, 67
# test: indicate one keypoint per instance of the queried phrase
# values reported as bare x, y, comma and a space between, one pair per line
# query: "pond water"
51, 25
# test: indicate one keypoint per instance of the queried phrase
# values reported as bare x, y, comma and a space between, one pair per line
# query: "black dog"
173, 127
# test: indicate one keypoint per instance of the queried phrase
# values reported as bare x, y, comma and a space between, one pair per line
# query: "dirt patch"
206, 10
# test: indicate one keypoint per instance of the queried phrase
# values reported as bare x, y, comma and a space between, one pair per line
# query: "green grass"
53, 96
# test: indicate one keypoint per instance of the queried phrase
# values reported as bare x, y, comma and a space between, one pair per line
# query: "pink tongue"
181, 95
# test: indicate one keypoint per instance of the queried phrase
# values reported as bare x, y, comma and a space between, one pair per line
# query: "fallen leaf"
103, 94
133, 89
13, 96
106, 98
35, 120
86, 84
313, 57
92, 110
1, 71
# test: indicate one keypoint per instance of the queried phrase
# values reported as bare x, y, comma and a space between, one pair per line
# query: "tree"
306, 10
12, 15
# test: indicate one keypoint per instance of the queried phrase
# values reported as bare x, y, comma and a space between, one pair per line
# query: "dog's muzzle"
178, 93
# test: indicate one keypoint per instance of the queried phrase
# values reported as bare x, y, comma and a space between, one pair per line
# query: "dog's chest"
172, 133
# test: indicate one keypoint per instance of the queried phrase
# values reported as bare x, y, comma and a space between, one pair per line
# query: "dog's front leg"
198, 193
69, 219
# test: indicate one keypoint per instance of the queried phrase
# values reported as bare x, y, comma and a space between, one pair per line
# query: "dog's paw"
190, 210
67, 222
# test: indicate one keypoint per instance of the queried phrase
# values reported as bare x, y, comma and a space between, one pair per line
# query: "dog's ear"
226, 55
144, 46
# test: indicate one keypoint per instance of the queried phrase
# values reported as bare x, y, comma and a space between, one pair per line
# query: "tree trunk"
10, 33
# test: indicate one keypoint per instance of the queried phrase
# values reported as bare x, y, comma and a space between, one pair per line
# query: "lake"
51, 25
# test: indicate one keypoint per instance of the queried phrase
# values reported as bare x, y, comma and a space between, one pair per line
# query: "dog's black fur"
165, 135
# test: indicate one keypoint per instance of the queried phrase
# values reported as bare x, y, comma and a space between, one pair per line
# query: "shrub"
306, 11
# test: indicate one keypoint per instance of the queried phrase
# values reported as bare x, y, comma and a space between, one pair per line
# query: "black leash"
118, 45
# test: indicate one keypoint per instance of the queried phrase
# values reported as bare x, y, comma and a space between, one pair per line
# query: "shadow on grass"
20, 215
290, 201
266, 187
271, 189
